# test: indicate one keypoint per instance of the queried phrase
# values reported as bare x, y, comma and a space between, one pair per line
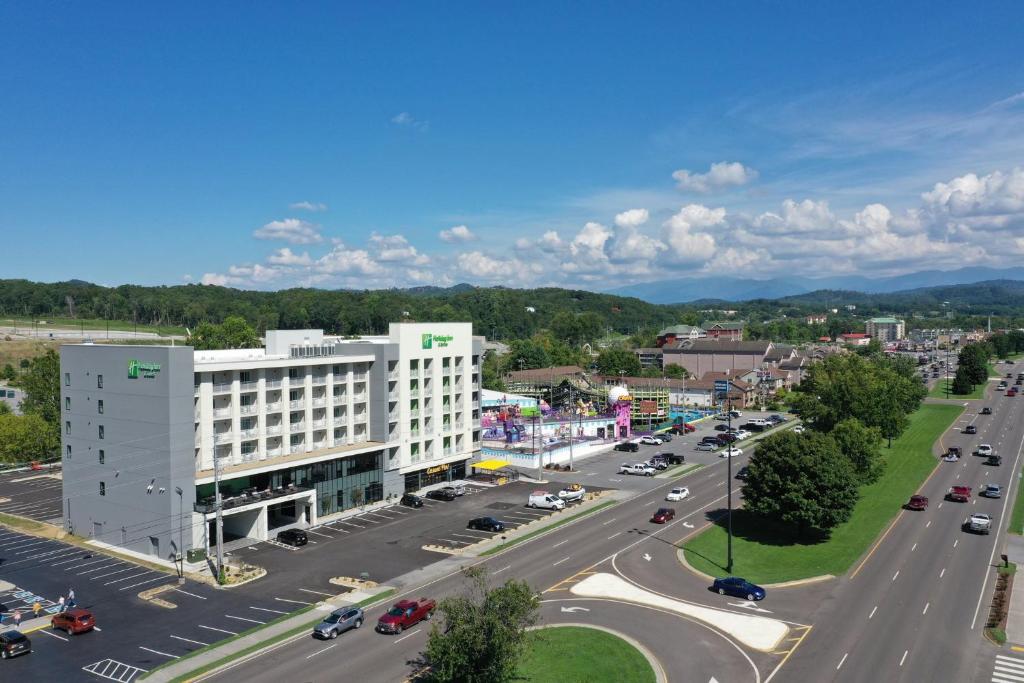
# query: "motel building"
302, 430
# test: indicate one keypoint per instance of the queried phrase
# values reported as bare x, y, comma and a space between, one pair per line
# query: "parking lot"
32, 494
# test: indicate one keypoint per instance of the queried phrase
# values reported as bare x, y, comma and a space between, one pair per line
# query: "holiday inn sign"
441, 340
137, 367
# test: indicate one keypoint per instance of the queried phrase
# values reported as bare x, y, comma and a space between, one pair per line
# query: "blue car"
741, 588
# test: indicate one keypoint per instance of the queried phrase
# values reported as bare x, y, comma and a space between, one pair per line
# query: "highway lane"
549, 563
909, 612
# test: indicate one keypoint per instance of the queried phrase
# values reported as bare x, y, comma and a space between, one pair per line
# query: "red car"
959, 494
918, 503
73, 621
663, 515
404, 614
1012, 392
689, 427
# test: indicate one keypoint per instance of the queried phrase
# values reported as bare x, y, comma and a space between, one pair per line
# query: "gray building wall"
148, 446
698, 364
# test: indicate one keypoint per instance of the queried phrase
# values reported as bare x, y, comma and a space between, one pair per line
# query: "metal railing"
296, 404
276, 405
359, 396
248, 386
319, 424
414, 413
222, 388
274, 429
319, 379
319, 402
250, 409
221, 412
222, 437
340, 398
297, 427
248, 433
358, 376
272, 384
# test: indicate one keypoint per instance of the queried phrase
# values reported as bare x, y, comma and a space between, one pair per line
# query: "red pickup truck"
960, 494
404, 614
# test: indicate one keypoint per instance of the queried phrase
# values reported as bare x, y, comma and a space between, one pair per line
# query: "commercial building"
649, 358
730, 331
886, 329
676, 333
711, 355
306, 427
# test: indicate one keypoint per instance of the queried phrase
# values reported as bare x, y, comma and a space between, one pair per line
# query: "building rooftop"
558, 372
720, 346
722, 325
885, 321
678, 330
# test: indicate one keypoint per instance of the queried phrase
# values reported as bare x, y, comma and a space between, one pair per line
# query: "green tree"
526, 354
8, 373
860, 446
802, 480
961, 381
613, 361
41, 384
484, 631
5, 408
674, 371
26, 437
973, 358
233, 333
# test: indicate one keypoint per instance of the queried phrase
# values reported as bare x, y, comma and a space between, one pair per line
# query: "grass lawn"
88, 323
767, 553
939, 390
1017, 517
573, 654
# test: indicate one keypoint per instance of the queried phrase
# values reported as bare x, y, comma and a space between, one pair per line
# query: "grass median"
256, 646
768, 553
574, 653
1017, 516
939, 390
538, 532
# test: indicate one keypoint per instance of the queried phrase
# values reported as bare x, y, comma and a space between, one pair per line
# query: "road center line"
942, 573
561, 543
325, 649
928, 524
561, 561
896, 574
501, 570
955, 542
614, 535
873, 612
845, 655
904, 657
608, 522
398, 640
925, 610
913, 548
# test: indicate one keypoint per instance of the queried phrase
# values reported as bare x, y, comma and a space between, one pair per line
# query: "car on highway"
627, 446
446, 493
14, 643
640, 468
986, 411
978, 523
970, 429
651, 440
73, 621
339, 621
743, 473
731, 452
486, 524
1012, 392
572, 492
293, 537
991, 491
662, 515
411, 500
994, 460
917, 503
959, 494
984, 449
404, 614
677, 494
741, 588
543, 499
706, 446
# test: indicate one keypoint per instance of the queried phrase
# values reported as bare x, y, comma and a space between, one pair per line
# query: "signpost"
722, 388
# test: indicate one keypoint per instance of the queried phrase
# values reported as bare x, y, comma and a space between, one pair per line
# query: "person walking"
60, 604
36, 608
71, 594
17, 618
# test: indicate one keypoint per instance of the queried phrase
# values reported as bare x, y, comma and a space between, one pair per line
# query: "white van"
548, 501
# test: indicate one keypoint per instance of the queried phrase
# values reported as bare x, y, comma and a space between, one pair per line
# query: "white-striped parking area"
36, 495
1008, 669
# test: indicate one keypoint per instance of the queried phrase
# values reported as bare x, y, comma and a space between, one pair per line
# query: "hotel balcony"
250, 409
222, 437
297, 405
248, 386
297, 427
208, 505
273, 384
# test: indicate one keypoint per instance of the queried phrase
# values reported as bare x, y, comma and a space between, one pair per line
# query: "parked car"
735, 414
545, 500
445, 493
670, 458
640, 468
978, 523
986, 411
73, 621
743, 473
714, 438
339, 621
741, 588
721, 427
970, 429
706, 446
663, 515
411, 500
918, 503
687, 427
726, 438
627, 446
666, 437
731, 452
995, 460
678, 493
293, 537
992, 491
457, 489
658, 463
777, 419
959, 494
14, 643
651, 440
743, 434
486, 524
572, 492
404, 614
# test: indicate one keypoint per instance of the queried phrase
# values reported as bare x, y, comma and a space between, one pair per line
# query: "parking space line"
140, 583
475, 538
358, 526
192, 594
254, 621
449, 540
307, 590
344, 531
120, 571
222, 630
54, 635
57, 564
128, 578
189, 640
157, 652
297, 602
317, 533
265, 609
105, 559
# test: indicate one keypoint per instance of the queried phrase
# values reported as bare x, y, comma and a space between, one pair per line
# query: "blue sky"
267, 145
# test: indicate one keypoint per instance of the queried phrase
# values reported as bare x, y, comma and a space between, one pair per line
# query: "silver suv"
339, 621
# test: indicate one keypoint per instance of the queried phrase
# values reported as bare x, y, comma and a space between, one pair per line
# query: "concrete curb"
681, 556
659, 670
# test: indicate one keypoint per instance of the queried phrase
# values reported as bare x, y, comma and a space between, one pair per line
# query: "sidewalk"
1015, 610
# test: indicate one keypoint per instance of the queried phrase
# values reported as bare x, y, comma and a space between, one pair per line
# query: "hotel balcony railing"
446, 426
222, 388
449, 451
393, 395
195, 392
273, 384
340, 398
474, 368
250, 409
413, 374
221, 413
393, 416
297, 427
427, 393
359, 396
222, 437
273, 407
414, 413
393, 376
476, 404
208, 506
250, 433
298, 404
274, 429
459, 426
273, 452
319, 379
320, 402
319, 424
358, 376
248, 386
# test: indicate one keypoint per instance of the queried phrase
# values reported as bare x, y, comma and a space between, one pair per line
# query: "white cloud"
720, 176
291, 230
285, 257
803, 217
589, 241
410, 121
391, 248
478, 264
550, 241
342, 260
633, 218
683, 233
308, 206
970, 195
459, 233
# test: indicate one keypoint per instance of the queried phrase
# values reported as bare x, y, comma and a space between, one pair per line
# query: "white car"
731, 452
743, 434
799, 429
985, 449
651, 440
678, 493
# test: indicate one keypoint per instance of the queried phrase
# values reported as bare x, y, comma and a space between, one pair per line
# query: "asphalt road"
915, 609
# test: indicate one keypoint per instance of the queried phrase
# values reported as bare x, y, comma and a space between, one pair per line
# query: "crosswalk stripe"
1005, 678
1010, 660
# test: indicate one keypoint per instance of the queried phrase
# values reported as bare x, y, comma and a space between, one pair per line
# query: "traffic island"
151, 596
1006, 613
560, 652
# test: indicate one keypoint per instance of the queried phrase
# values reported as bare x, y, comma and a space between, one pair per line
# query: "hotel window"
67, 403
99, 381
245, 376
293, 373
101, 431
69, 452
67, 379
103, 456
99, 406
414, 449
103, 489
67, 427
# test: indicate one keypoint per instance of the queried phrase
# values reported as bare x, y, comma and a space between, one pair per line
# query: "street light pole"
181, 532
728, 482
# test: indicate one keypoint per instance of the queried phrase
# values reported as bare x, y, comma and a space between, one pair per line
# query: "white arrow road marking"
575, 609
746, 604
647, 557
687, 525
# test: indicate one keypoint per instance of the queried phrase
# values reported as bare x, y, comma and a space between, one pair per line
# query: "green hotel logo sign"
428, 340
137, 368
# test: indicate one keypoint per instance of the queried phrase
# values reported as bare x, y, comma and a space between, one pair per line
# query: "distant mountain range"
684, 290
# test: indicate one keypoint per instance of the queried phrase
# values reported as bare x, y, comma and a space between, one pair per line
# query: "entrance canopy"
492, 464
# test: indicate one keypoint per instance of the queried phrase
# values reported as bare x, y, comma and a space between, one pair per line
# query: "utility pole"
220, 519
181, 532
536, 454
571, 408
728, 484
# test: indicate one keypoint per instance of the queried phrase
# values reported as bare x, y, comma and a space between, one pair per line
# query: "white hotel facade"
303, 429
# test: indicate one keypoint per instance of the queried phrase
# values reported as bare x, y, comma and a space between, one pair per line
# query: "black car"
970, 429
412, 500
710, 439
726, 438
986, 411
14, 643
442, 494
486, 524
294, 537
743, 473
627, 446
994, 460
666, 437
